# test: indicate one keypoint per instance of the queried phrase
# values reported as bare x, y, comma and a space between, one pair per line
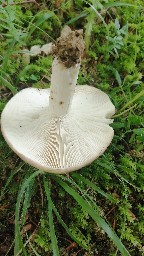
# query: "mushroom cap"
58, 145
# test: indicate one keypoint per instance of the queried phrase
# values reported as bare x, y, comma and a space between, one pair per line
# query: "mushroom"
63, 128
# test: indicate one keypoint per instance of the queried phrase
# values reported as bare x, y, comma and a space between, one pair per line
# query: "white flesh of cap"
58, 144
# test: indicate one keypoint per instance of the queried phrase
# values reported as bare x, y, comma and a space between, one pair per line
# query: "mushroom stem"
63, 82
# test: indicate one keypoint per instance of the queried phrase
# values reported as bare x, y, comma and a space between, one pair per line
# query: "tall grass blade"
88, 28
26, 201
66, 227
51, 224
3, 191
99, 15
2, 105
125, 111
136, 97
45, 16
88, 198
7, 55
95, 216
8, 85
116, 4
91, 20
33, 249
18, 239
81, 15
93, 186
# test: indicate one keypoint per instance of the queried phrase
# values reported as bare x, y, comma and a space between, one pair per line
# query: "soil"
69, 46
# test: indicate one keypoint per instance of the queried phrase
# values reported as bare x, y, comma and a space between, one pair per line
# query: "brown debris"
71, 246
69, 47
26, 228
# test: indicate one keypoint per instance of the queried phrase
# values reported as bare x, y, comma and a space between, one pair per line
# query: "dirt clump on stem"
69, 47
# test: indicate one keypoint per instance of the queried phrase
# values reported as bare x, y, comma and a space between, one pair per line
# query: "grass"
97, 210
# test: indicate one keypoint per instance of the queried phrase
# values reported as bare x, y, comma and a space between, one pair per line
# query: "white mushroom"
63, 128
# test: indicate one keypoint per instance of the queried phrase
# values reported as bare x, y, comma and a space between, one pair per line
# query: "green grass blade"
137, 96
125, 111
88, 28
51, 224
66, 227
116, 4
25, 205
7, 55
8, 85
2, 105
33, 249
93, 186
95, 216
87, 197
18, 239
83, 192
91, 20
3, 191
81, 15
40, 20
99, 15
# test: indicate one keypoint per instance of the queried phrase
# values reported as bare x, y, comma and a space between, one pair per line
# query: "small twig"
26, 228
71, 246
76, 253
114, 222
110, 211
